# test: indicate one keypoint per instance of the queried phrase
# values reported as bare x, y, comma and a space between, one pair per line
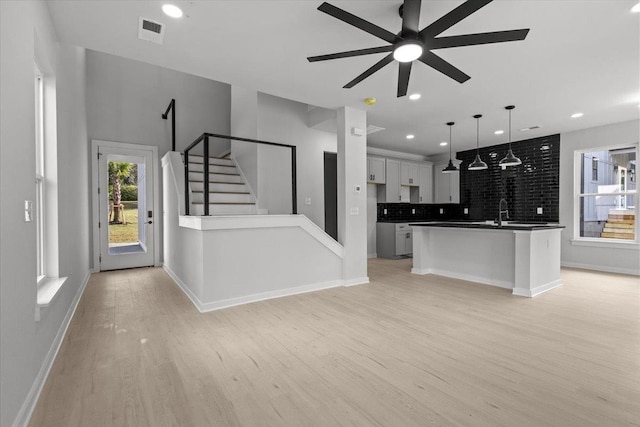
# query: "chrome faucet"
501, 211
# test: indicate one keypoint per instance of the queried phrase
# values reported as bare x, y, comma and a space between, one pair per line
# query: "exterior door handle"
149, 222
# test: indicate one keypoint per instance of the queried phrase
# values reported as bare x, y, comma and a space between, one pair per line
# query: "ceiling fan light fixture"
636, 8
407, 50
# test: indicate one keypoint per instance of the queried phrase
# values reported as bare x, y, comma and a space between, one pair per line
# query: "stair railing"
205, 137
172, 108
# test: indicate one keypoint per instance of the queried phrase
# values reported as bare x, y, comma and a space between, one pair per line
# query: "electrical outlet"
413, 211
466, 211
441, 211
307, 201
384, 211
539, 210
355, 211
28, 211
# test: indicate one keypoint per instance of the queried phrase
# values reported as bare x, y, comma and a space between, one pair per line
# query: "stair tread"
225, 203
221, 192
216, 173
216, 182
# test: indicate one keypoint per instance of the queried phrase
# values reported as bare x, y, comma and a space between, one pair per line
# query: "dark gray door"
331, 194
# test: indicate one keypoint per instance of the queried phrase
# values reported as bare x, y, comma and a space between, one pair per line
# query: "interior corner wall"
126, 100
284, 121
26, 28
608, 259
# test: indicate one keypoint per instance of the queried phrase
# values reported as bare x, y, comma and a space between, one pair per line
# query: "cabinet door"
392, 184
441, 184
401, 243
408, 174
425, 184
454, 187
376, 170
408, 241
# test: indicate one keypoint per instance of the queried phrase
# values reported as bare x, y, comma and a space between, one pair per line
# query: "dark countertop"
409, 221
515, 225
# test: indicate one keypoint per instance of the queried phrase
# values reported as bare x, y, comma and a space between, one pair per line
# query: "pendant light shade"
450, 167
510, 159
478, 164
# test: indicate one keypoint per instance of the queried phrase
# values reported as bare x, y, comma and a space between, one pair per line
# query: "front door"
125, 207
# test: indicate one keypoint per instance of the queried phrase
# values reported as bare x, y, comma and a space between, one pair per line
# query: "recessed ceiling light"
636, 8
443, 143
414, 96
499, 132
410, 136
172, 10
576, 115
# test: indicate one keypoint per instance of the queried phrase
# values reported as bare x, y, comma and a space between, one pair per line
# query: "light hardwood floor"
405, 350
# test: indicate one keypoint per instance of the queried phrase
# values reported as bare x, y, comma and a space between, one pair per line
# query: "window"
607, 197
40, 181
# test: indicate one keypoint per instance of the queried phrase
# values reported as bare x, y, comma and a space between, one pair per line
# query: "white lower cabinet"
393, 240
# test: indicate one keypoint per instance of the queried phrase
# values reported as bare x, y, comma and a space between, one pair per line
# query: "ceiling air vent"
150, 30
373, 129
530, 128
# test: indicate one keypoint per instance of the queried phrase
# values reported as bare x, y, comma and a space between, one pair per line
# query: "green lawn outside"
121, 233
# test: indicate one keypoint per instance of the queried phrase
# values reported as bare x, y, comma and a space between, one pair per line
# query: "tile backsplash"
533, 184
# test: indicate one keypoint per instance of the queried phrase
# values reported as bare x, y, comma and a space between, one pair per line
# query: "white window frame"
39, 205
577, 175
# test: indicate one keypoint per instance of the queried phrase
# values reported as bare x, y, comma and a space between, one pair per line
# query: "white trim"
603, 268
465, 277
396, 155
356, 281
24, 415
530, 293
263, 296
48, 289
606, 243
95, 145
204, 223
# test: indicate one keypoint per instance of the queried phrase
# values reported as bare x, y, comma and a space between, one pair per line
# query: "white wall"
601, 258
126, 100
25, 344
244, 124
285, 121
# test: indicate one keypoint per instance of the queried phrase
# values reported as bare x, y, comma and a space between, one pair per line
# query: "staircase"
620, 225
228, 192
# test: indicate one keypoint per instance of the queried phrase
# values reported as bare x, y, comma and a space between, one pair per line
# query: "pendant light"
450, 167
510, 159
478, 164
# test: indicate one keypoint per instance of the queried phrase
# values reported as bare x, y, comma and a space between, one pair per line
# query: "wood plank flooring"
405, 350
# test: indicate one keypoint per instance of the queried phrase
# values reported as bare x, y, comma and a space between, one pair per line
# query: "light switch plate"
307, 201
355, 211
539, 210
28, 211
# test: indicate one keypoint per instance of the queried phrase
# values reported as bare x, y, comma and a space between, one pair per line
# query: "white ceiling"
579, 56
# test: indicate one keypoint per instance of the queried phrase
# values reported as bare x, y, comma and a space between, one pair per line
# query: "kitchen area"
497, 226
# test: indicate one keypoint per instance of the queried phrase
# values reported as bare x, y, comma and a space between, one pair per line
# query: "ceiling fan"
414, 44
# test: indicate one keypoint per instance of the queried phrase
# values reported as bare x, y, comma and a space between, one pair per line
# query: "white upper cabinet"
376, 170
423, 193
390, 192
409, 174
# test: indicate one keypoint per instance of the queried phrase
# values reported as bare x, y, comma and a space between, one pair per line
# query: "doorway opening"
331, 194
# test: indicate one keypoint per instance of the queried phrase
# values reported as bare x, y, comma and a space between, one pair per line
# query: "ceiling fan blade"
411, 17
358, 22
403, 78
452, 18
479, 38
351, 53
377, 66
439, 64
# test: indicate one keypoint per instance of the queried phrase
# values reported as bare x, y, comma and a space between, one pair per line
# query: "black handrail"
205, 137
172, 107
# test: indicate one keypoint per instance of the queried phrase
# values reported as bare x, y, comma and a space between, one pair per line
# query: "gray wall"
126, 99
25, 344
622, 258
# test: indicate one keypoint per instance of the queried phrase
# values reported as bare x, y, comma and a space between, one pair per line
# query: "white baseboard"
373, 255
204, 307
530, 293
194, 299
354, 282
461, 276
603, 268
24, 415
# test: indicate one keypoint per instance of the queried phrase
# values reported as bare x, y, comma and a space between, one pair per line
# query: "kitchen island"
518, 256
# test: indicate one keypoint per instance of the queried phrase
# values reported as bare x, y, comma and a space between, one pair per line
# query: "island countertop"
489, 225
